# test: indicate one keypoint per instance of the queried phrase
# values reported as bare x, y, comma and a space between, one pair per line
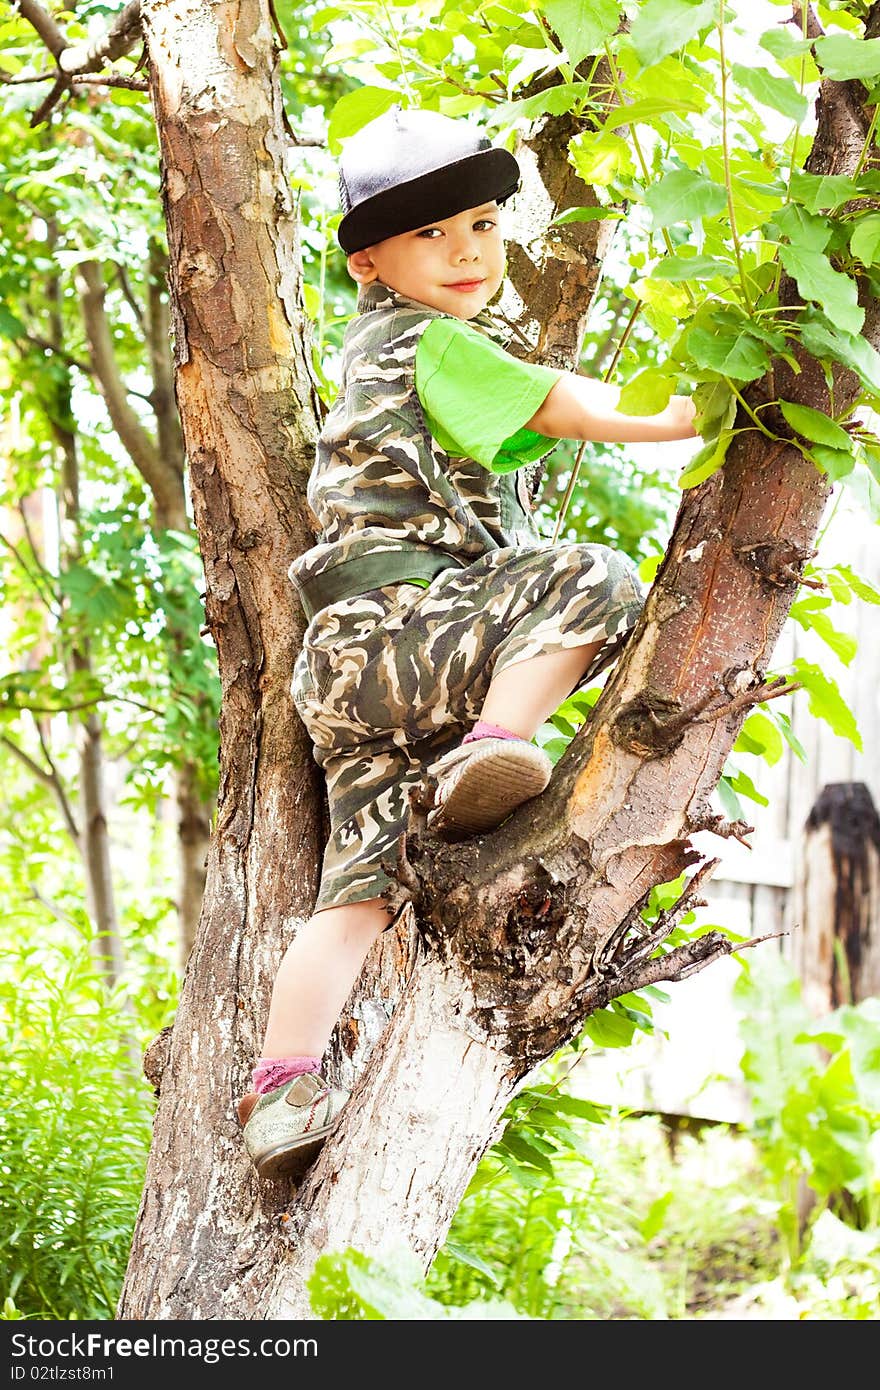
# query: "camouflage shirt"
391, 504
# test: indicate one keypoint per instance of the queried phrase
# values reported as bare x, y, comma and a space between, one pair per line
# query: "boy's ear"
361, 267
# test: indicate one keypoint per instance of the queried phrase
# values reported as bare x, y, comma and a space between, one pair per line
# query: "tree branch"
48, 778
122, 35
159, 477
76, 59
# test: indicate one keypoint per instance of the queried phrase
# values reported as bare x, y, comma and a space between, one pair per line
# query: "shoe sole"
291, 1159
490, 788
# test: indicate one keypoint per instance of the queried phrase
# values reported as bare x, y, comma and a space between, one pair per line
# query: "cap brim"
490, 175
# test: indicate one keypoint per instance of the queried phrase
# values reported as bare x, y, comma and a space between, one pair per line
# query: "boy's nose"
466, 251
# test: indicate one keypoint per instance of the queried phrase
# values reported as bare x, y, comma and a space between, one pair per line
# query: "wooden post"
836, 940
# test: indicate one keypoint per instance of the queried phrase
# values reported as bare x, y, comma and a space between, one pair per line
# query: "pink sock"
271, 1072
483, 730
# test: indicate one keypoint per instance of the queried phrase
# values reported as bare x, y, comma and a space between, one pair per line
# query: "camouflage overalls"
393, 674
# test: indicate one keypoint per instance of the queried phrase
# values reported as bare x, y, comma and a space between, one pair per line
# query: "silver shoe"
285, 1128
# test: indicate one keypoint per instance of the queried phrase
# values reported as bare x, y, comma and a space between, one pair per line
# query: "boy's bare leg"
523, 695
321, 965
316, 976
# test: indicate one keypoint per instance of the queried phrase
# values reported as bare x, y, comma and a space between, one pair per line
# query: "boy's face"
455, 265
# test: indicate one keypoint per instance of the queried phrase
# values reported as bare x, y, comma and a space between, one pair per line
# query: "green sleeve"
477, 398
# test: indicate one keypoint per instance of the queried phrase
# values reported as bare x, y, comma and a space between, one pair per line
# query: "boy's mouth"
466, 285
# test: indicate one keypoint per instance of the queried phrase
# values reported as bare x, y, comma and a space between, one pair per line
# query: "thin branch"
45, 25
48, 778
304, 140
115, 79
36, 341
119, 39
12, 80
159, 475
769, 690
678, 964
130, 296
606, 377
59, 87
60, 793
76, 59
57, 912
35, 579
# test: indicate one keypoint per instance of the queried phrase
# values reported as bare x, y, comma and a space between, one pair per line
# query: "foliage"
815, 1098
353, 1287
75, 1135
693, 140
700, 135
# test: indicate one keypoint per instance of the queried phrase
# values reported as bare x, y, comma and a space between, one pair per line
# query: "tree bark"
521, 934
249, 415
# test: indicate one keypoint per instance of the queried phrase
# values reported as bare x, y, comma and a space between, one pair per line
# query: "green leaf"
730, 802
818, 191
782, 44
553, 100
607, 1029
525, 1152
743, 785
706, 461
355, 110
865, 239
573, 1105
684, 196
859, 586
467, 1257
835, 463
662, 26
814, 424
824, 340
692, 268
647, 393
582, 25
648, 110
600, 157
842, 57
760, 736
737, 355
648, 568
818, 280
826, 701
584, 215
780, 93
783, 723
652, 1224
799, 225
842, 644
716, 408
10, 326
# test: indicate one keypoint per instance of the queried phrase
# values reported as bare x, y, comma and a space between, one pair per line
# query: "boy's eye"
483, 224
429, 232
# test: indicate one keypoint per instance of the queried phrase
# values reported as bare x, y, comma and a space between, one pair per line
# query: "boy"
442, 629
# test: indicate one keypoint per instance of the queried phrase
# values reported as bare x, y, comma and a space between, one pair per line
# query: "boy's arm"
579, 407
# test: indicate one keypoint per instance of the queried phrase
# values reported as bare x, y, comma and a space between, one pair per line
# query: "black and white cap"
410, 167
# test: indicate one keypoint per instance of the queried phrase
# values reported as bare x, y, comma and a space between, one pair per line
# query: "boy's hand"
580, 407
683, 410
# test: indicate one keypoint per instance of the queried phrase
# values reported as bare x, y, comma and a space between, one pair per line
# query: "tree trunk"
836, 939
161, 465
94, 838
249, 416
521, 934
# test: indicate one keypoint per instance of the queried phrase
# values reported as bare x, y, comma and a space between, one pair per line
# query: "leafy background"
580, 1210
